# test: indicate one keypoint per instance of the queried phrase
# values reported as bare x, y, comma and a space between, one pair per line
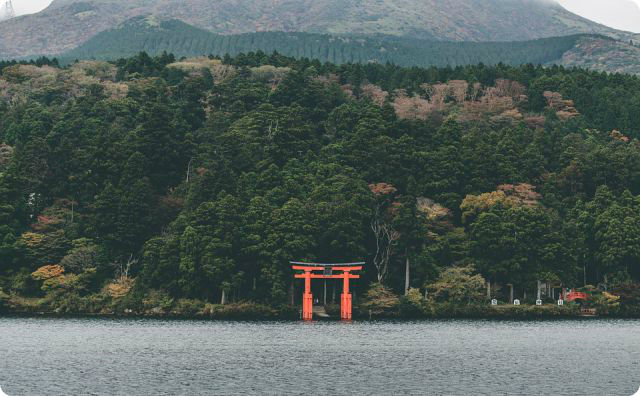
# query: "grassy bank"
380, 302
96, 305
195, 309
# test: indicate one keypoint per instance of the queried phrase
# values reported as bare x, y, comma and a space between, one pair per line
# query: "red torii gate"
309, 270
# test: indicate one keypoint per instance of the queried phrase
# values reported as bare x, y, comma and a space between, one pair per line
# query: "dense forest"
181, 39
150, 181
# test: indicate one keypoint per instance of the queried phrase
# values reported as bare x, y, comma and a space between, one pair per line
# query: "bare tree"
385, 234
386, 239
122, 272
189, 169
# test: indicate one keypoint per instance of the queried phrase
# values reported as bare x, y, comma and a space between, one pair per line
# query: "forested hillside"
181, 39
151, 184
598, 53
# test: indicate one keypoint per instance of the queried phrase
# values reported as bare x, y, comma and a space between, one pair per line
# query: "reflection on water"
153, 357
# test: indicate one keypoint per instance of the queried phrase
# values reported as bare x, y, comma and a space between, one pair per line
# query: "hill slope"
208, 183
181, 39
68, 23
602, 54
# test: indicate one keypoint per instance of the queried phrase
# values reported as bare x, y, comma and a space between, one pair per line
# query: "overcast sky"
614, 13
619, 14
29, 6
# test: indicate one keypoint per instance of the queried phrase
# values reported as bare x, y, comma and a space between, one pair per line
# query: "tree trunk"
511, 293
325, 292
292, 293
606, 281
223, 299
406, 277
489, 290
539, 287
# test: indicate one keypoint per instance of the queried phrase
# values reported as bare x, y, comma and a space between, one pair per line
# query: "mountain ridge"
154, 37
65, 24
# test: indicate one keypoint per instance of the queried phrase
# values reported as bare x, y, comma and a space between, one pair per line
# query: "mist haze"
22, 7
618, 14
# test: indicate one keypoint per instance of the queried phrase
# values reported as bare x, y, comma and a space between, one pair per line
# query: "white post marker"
516, 302
2, 393
637, 393
494, 302
538, 302
560, 303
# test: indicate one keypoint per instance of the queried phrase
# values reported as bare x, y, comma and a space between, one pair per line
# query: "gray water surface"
156, 357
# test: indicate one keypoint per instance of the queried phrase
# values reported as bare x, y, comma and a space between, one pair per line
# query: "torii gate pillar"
345, 299
307, 298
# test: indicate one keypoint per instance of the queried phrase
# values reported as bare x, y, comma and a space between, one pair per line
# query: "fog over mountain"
22, 7
618, 14
67, 23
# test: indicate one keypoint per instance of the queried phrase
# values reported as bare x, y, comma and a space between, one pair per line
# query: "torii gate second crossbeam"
309, 272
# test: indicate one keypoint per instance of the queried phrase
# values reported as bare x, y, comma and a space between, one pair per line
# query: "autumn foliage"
564, 108
47, 272
432, 210
469, 101
617, 135
6, 152
382, 189
120, 287
413, 107
375, 94
507, 195
522, 194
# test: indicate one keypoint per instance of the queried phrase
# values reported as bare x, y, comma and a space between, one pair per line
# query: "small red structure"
573, 296
310, 271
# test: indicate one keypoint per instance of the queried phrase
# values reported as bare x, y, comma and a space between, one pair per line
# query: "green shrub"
186, 307
458, 285
413, 304
23, 284
380, 301
605, 303
157, 302
4, 302
131, 303
250, 311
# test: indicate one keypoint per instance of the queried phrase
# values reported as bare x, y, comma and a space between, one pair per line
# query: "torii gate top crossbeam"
320, 276
311, 269
321, 265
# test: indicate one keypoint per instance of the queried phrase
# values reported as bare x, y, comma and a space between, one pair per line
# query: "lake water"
156, 357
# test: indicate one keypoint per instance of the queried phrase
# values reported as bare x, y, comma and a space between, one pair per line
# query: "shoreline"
508, 314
